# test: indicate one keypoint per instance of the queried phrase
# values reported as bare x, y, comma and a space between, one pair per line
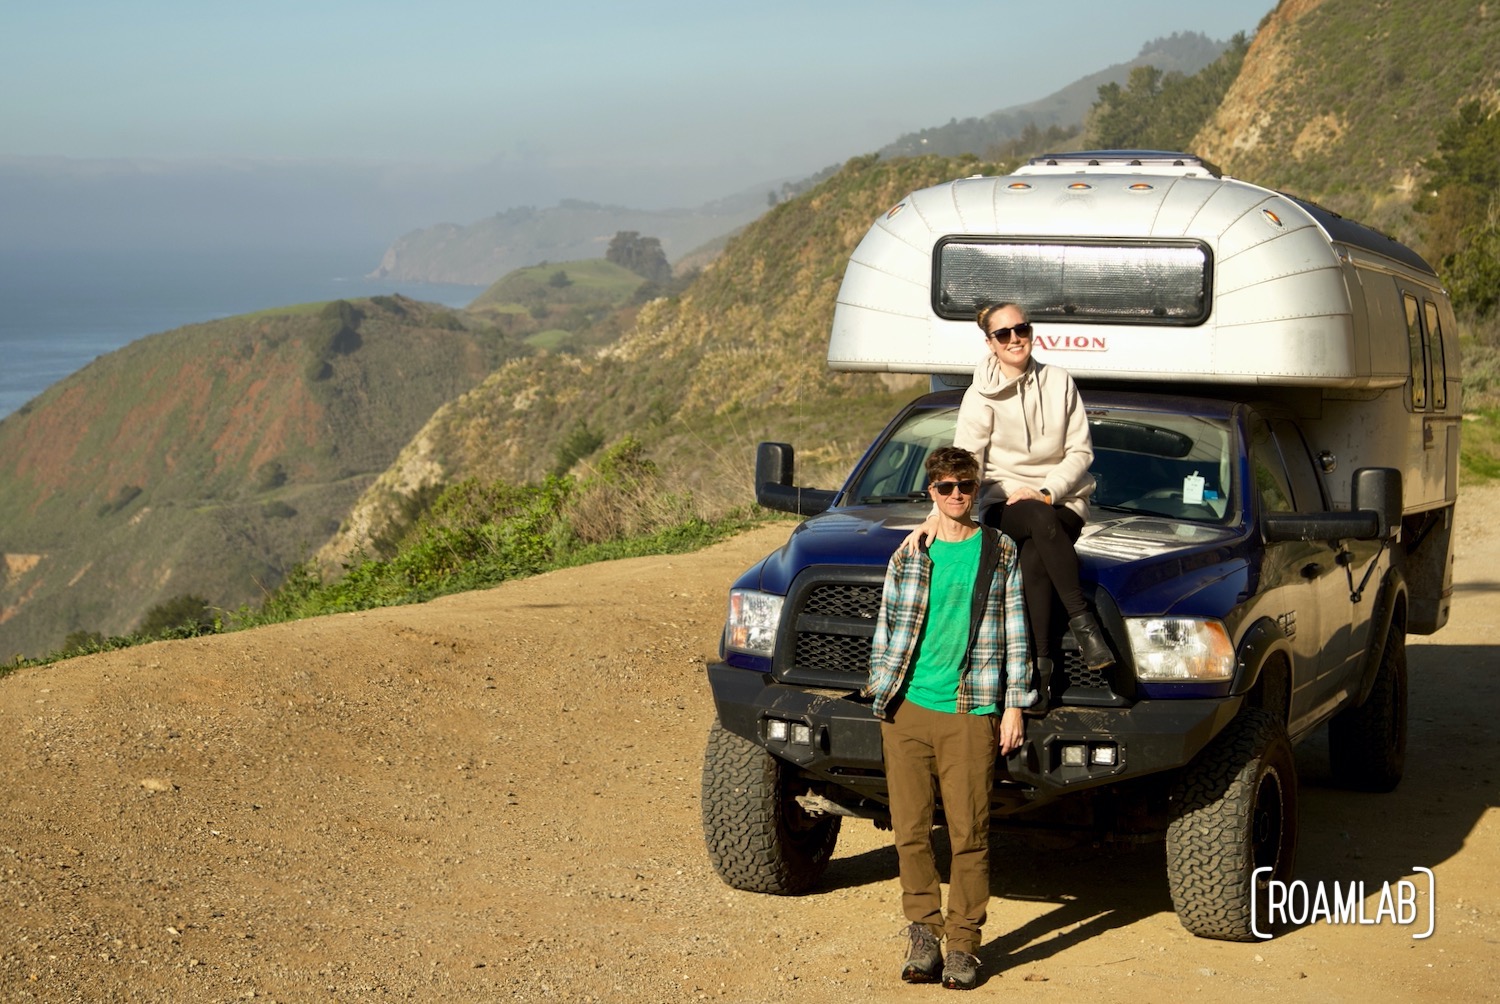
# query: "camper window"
1420, 378
1435, 356
1165, 282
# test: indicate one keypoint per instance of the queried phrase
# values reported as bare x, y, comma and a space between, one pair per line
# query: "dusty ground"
495, 797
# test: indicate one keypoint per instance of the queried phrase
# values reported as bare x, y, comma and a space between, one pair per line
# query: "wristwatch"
1046, 493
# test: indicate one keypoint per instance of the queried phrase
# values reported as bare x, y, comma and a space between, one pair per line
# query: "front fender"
1264, 640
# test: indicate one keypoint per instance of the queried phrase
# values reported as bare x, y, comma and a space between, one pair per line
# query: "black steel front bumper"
843, 736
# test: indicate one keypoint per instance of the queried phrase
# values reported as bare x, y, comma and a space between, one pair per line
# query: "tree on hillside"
1162, 111
1032, 141
1462, 210
642, 255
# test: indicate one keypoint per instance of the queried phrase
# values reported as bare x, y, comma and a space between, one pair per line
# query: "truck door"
1346, 625
1291, 572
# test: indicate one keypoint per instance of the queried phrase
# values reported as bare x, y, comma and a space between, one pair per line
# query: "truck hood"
1148, 564
858, 535
1155, 565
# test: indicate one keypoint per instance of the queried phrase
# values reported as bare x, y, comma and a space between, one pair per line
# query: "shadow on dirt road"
1346, 837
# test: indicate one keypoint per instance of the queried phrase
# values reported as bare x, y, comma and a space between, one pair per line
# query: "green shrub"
182, 613
269, 476
580, 443
81, 642
126, 495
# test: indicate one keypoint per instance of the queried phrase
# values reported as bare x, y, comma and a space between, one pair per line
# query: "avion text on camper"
1072, 343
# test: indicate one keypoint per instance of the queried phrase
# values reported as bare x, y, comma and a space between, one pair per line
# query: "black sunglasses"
1022, 330
965, 487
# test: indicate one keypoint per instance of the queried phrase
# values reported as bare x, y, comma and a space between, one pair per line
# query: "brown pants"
958, 753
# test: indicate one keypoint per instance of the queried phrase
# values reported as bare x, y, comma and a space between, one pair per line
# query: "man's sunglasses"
965, 487
1022, 330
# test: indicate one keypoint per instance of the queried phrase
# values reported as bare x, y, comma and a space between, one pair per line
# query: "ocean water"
61, 310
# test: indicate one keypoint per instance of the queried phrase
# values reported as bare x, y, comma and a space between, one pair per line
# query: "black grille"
832, 612
833, 622
834, 627
833, 652
1076, 672
844, 599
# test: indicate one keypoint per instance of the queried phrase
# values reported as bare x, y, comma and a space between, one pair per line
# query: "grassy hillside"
208, 459
738, 357
1340, 100
566, 306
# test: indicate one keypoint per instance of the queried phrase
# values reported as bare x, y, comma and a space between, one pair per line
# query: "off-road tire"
1367, 744
759, 839
1233, 810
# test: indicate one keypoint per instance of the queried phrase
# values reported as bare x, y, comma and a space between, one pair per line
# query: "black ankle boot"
1091, 643
1042, 667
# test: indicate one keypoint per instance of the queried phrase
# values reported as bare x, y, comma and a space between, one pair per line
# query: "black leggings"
1044, 535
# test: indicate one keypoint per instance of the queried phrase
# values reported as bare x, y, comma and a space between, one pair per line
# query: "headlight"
1168, 649
753, 617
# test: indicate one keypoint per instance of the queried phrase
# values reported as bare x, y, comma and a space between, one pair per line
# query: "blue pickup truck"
1266, 529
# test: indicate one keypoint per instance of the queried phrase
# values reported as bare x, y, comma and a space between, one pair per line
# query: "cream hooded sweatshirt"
1028, 431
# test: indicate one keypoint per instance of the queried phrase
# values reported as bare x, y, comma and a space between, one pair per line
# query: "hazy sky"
675, 101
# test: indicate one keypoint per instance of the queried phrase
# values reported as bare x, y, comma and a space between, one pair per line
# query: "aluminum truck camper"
1273, 394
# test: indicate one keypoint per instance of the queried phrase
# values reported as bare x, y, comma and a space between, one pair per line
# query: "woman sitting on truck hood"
1026, 424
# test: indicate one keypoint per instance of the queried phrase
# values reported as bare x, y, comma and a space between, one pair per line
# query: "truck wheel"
1367, 744
1234, 811
759, 839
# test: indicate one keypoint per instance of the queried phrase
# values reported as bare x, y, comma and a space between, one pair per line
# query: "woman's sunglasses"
965, 487
1022, 330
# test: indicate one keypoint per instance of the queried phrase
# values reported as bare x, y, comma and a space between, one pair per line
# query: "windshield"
1150, 462
1162, 463
895, 473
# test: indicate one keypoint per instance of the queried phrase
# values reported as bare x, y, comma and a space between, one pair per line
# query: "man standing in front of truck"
949, 675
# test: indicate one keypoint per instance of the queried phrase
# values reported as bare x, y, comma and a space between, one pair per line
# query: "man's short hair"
951, 460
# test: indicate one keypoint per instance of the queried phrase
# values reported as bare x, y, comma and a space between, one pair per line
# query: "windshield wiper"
904, 497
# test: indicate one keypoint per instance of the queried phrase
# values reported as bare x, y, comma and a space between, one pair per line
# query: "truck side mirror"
774, 465
1374, 512
1377, 490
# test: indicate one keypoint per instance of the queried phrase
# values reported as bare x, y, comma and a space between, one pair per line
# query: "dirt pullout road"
494, 797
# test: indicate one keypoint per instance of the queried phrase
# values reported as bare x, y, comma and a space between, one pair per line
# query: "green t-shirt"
943, 645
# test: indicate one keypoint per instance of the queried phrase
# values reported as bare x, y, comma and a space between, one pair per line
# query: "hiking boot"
960, 971
1091, 643
924, 955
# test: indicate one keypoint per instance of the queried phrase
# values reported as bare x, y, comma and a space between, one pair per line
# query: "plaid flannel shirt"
998, 647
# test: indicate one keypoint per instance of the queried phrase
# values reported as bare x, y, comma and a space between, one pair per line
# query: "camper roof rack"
1080, 159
